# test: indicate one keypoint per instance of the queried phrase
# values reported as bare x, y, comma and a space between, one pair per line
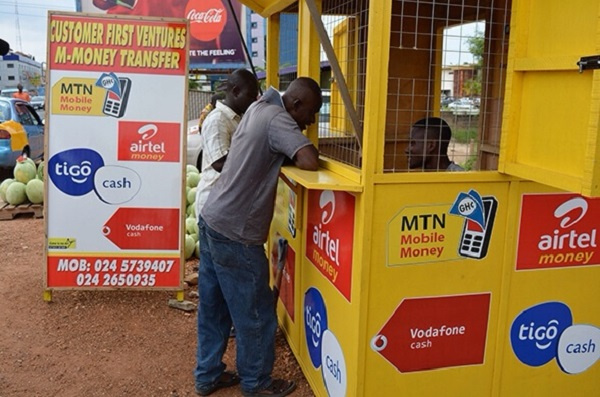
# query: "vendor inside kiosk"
402, 278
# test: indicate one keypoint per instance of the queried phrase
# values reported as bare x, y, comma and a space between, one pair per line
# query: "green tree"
193, 84
475, 43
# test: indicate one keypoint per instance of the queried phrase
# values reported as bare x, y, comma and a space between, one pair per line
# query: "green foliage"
193, 84
476, 45
469, 163
464, 135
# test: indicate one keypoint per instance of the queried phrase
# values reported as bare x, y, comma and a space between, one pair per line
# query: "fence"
197, 100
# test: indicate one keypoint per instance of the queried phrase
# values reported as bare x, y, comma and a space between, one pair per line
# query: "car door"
34, 127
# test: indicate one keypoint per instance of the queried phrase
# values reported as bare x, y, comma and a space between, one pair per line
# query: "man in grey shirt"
428, 147
234, 223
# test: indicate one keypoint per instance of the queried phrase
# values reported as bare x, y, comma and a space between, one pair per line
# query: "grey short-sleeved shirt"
240, 205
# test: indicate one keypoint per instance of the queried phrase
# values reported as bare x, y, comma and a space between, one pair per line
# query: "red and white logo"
330, 236
143, 141
435, 332
558, 230
207, 18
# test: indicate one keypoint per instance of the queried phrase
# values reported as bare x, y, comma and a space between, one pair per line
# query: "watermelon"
191, 168
189, 246
24, 170
192, 179
15, 194
40, 171
35, 191
191, 196
4, 186
191, 226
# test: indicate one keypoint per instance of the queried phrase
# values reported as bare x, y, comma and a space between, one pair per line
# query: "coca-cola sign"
207, 18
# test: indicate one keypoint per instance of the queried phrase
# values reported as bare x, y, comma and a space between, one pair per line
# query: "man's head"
241, 89
219, 96
20, 87
428, 147
303, 100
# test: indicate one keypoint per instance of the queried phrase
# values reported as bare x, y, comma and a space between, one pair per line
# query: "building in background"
16, 67
255, 37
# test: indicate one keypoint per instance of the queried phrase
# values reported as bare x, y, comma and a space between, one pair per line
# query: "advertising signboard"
330, 236
557, 231
214, 39
114, 151
427, 333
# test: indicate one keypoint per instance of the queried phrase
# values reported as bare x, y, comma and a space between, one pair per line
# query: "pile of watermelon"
191, 221
27, 186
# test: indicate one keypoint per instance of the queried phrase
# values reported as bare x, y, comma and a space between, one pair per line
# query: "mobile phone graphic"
475, 239
115, 105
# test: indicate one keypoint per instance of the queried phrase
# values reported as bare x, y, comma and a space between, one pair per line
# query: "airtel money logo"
142, 141
327, 205
558, 230
207, 18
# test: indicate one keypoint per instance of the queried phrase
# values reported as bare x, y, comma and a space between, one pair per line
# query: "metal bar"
237, 24
337, 71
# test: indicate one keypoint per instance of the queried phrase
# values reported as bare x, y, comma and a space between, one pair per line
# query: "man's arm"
218, 165
307, 158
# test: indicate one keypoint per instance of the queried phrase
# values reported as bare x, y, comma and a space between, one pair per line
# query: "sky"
33, 23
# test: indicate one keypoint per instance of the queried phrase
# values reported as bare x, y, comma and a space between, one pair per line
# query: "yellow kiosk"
476, 283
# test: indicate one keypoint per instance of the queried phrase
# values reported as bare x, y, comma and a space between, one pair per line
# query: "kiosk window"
446, 71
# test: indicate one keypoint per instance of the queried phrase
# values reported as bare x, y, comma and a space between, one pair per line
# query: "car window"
25, 114
4, 111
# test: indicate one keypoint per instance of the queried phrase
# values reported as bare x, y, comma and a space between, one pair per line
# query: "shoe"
227, 379
277, 388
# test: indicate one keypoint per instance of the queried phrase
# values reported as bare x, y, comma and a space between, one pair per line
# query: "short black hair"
436, 129
241, 78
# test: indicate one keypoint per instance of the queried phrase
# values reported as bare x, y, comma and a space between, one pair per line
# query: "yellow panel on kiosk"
551, 121
551, 335
436, 271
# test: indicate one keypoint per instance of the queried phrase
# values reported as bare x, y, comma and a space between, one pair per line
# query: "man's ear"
296, 104
431, 146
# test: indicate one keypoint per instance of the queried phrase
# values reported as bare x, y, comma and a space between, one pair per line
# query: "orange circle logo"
207, 18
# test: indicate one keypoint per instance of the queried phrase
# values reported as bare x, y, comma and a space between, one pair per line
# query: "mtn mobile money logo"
558, 230
479, 213
72, 171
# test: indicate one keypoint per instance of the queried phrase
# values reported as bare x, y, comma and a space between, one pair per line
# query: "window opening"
447, 68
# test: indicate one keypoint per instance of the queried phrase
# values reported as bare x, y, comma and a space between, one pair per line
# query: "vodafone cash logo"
207, 18
72, 171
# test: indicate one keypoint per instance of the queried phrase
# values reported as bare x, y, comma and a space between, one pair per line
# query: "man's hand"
307, 158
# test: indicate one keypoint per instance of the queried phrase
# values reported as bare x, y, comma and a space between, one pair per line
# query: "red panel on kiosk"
558, 230
436, 332
330, 236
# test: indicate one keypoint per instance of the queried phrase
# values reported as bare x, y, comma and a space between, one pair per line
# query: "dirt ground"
97, 343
